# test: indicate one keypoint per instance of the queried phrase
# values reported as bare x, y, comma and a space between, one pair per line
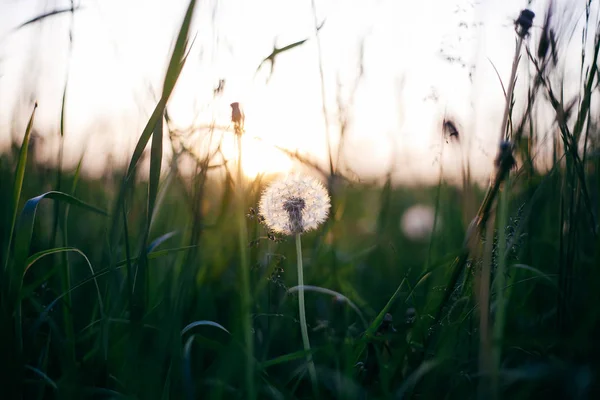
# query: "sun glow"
258, 156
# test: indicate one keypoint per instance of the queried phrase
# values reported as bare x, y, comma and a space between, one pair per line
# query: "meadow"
171, 285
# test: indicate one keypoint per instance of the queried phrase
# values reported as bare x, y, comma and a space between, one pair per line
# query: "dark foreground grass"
136, 288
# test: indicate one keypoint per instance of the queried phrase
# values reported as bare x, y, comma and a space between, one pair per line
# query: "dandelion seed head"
294, 205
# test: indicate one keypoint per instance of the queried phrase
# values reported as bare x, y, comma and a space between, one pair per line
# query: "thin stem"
500, 282
245, 274
484, 312
323, 95
511, 89
495, 347
437, 209
303, 328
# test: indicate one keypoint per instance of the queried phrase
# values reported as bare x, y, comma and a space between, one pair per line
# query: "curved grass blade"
537, 272
45, 378
333, 293
202, 323
160, 240
120, 264
46, 15
176, 64
414, 378
23, 236
24, 229
41, 254
37, 256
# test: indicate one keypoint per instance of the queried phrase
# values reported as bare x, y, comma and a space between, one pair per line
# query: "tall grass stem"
511, 89
499, 288
245, 275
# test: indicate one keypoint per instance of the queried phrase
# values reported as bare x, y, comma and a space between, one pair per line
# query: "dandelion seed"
294, 205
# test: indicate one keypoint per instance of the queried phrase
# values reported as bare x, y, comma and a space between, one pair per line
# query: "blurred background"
391, 72
135, 263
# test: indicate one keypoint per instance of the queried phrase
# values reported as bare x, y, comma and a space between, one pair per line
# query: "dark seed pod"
450, 130
237, 117
236, 113
386, 325
547, 38
524, 22
410, 315
504, 159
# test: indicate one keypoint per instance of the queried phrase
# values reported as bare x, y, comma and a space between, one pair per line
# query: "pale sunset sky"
120, 50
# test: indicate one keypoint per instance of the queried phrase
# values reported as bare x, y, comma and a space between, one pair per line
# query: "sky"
397, 67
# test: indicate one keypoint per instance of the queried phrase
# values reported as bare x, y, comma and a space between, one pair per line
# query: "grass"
171, 287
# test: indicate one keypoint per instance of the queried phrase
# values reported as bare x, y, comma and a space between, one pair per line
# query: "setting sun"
259, 157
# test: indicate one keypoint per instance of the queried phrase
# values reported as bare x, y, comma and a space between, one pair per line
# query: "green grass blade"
93, 276
318, 289
372, 329
42, 375
24, 232
297, 355
176, 64
155, 165
188, 381
41, 254
140, 292
411, 381
194, 324
18, 184
160, 240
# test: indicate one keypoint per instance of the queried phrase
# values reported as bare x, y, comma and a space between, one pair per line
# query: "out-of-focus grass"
150, 302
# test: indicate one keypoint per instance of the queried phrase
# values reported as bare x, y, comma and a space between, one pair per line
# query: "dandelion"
293, 206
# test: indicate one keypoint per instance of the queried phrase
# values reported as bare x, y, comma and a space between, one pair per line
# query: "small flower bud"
237, 117
236, 113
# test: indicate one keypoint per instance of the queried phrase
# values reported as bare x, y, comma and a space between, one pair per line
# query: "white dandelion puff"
294, 205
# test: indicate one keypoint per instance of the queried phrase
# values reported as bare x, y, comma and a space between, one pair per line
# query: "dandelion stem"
303, 328
245, 275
